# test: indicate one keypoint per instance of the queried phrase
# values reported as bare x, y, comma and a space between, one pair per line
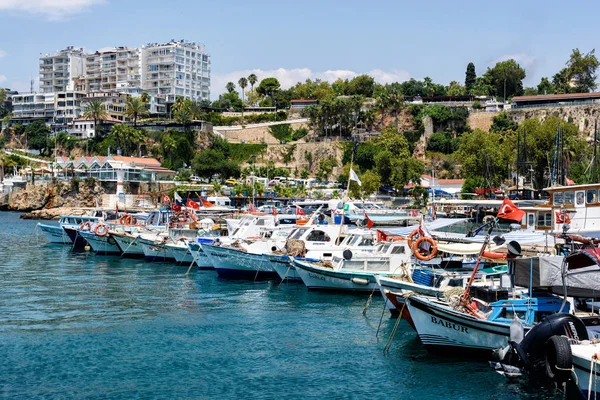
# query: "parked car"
195, 178
232, 182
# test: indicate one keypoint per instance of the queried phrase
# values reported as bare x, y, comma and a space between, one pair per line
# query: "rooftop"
557, 97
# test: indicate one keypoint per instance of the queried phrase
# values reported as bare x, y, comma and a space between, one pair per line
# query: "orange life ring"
101, 230
85, 225
432, 252
411, 236
493, 255
301, 222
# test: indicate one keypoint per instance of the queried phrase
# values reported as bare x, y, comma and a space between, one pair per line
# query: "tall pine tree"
470, 77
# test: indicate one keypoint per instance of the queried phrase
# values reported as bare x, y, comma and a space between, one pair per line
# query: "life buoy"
301, 222
122, 220
494, 256
433, 249
413, 234
86, 226
101, 230
559, 359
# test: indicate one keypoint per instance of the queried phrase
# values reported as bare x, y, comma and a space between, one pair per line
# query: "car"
195, 178
231, 182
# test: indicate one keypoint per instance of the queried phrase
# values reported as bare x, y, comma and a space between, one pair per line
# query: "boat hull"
104, 245
317, 278
129, 246
76, 238
200, 257
181, 255
237, 264
582, 368
154, 251
55, 234
444, 330
283, 266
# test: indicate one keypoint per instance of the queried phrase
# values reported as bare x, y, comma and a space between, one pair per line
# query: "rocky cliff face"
582, 116
71, 194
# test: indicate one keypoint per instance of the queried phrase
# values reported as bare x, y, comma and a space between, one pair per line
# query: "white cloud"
2, 53
289, 77
525, 60
53, 9
2, 78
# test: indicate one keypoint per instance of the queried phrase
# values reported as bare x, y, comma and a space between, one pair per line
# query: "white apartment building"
56, 109
57, 71
114, 70
176, 69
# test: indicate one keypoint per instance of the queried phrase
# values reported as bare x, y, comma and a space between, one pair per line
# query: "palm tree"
95, 111
252, 79
196, 111
145, 97
243, 82
230, 87
135, 107
178, 105
169, 144
396, 101
183, 116
382, 104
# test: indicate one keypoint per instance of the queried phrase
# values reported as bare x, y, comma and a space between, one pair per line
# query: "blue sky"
295, 40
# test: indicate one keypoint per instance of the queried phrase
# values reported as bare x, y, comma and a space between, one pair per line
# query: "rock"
53, 213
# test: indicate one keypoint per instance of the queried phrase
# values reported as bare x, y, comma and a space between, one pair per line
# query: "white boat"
585, 365
128, 243
200, 257
101, 244
55, 233
355, 273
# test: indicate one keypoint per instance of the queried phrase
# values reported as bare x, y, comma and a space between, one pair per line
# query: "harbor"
129, 328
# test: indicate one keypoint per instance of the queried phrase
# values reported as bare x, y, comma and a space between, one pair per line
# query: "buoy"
360, 281
87, 247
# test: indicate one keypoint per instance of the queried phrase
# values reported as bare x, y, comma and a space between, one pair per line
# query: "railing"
558, 104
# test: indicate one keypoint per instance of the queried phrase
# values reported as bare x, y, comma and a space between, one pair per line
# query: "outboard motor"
545, 351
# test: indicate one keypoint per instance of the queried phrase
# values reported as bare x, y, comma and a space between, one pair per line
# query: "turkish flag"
381, 236
175, 207
299, 211
562, 218
192, 204
251, 208
369, 222
509, 211
166, 199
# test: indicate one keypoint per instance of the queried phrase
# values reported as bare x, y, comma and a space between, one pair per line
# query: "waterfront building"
176, 69
33, 106
556, 100
58, 70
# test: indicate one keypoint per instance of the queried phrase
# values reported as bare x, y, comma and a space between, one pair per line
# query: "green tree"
95, 111
135, 107
37, 135
506, 77
396, 102
530, 91
268, 86
456, 89
230, 87
501, 123
561, 81
252, 79
362, 85
470, 77
243, 83
582, 69
545, 87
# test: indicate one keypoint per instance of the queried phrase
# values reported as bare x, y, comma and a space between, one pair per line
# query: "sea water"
77, 325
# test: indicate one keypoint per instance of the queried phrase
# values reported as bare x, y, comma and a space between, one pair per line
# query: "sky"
294, 40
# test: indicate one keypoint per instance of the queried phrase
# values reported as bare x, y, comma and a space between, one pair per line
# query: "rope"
592, 373
369, 300
381, 319
386, 349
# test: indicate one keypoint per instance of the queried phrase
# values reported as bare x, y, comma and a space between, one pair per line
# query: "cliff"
50, 195
583, 116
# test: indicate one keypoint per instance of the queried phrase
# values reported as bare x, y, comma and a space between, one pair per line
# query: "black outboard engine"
545, 351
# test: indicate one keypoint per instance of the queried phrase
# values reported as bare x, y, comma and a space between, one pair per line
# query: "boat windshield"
297, 234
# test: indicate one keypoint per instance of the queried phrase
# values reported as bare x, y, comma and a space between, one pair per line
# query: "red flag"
562, 218
175, 207
166, 199
251, 207
206, 203
569, 182
381, 236
509, 211
299, 211
274, 210
117, 207
192, 204
369, 222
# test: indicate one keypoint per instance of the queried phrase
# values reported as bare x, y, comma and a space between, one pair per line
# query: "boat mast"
595, 170
518, 162
555, 162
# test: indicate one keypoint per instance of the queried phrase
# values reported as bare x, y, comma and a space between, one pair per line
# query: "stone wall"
582, 116
55, 194
318, 150
481, 120
255, 135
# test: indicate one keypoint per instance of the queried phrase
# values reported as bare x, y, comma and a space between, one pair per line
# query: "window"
530, 219
569, 197
398, 250
591, 196
318, 236
557, 199
579, 198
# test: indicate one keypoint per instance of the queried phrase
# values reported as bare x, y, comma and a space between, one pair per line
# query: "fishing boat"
56, 233
443, 329
97, 236
199, 256
355, 273
73, 223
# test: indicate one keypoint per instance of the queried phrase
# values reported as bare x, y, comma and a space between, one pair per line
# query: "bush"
299, 134
282, 132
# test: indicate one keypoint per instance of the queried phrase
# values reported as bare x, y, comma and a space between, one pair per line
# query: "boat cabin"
577, 205
530, 310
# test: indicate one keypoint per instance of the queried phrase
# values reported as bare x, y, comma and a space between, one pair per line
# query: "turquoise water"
75, 325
